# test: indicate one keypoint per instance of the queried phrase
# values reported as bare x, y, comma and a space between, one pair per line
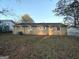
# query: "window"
51, 27
41, 27
58, 28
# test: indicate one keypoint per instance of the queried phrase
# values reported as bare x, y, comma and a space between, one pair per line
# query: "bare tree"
68, 8
6, 11
68, 21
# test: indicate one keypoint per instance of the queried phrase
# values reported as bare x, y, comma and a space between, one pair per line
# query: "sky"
39, 10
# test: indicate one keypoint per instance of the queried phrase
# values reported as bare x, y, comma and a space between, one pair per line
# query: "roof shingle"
42, 24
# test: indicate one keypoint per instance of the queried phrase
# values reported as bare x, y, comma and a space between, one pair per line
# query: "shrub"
20, 33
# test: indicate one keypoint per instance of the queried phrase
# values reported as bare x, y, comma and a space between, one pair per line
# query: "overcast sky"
39, 10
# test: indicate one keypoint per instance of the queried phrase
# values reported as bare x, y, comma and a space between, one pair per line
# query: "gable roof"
41, 24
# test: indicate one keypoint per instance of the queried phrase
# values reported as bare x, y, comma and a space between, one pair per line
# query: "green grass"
39, 47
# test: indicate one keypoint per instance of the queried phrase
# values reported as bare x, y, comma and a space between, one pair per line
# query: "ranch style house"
40, 28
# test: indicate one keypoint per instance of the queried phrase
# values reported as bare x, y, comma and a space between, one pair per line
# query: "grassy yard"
39, 47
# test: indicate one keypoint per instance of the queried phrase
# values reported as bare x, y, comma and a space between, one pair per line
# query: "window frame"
58, 28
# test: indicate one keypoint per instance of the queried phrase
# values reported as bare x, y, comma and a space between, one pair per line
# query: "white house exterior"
72, 31
10, 23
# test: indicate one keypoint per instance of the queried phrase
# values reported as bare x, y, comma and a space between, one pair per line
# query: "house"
9, 23
40, 28
73, 31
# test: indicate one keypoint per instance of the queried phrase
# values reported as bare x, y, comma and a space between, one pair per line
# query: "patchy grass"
39, 47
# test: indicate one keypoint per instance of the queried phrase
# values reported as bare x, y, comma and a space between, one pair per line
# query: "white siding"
73, 31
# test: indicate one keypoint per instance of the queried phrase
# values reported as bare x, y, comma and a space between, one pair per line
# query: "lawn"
39, 47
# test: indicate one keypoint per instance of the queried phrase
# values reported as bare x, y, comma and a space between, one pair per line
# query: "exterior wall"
54, 31
28, 30
18, 29
40, 30
9, 23
72, 31
64, 31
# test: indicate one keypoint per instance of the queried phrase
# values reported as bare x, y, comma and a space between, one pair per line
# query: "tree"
5, 11
68, 21
27, 19
68, 8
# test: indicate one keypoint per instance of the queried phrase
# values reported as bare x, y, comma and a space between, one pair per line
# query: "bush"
20, 33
